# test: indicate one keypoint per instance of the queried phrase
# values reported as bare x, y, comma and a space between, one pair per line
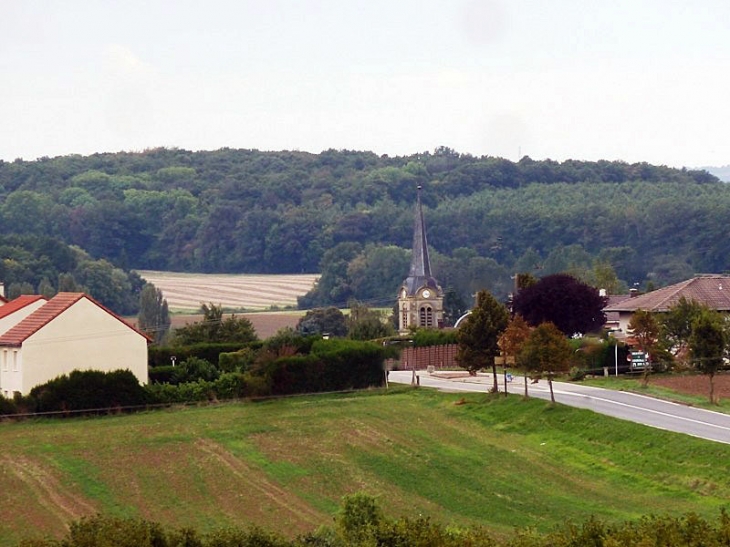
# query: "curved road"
697, 422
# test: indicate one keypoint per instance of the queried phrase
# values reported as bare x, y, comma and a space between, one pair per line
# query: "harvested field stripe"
186, 291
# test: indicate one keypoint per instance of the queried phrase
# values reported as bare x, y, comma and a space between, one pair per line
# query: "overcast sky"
632, 80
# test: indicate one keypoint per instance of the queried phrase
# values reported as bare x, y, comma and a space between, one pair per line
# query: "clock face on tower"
426, 293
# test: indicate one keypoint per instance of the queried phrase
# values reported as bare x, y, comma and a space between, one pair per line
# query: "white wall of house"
624, 318
10, 371
83, 337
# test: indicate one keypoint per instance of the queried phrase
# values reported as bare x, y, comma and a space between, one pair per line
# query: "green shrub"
350, 364
236, 361
193, 369
104, 530
89, 389
295, 374
7, 406
230, 385
161, 375
434, 337
162, 356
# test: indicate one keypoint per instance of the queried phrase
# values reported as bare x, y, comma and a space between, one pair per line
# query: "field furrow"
185, 292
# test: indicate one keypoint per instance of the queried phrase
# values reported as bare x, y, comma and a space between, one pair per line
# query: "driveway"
697, 422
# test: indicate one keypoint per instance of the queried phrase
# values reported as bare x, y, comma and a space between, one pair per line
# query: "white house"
42, 339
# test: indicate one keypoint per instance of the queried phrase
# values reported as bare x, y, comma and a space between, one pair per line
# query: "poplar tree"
708, 343
154, 315
479, 333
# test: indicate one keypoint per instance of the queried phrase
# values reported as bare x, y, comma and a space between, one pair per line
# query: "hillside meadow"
285, 464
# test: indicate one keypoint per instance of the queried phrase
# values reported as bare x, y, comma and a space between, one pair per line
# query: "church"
420, 297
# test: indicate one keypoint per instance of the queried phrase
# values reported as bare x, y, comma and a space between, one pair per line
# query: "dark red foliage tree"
563, 300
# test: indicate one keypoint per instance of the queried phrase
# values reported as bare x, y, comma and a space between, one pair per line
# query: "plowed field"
186, 292
696, 384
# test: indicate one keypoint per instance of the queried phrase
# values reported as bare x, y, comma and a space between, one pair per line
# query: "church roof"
420, 273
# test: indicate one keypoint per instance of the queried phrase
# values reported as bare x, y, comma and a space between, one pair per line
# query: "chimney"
633, 292
2, 289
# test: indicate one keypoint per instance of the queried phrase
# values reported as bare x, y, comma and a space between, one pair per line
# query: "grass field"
185, 292
687, 389
285, 464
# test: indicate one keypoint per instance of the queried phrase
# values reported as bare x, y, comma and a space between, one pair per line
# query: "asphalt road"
697, 422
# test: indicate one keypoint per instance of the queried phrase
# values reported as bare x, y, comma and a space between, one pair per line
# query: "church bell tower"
420, 298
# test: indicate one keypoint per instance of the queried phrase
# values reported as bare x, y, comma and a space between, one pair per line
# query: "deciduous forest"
349, 215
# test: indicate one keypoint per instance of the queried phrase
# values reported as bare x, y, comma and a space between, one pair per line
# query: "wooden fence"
439, 357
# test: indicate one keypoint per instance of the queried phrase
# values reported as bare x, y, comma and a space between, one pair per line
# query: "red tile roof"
45, 314
19, 303
711, 290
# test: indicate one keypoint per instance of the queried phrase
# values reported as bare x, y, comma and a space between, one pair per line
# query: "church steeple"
420, 299
420, 264
420, 273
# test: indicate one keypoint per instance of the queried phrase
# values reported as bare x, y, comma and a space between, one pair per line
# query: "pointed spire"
420, 263
420, 274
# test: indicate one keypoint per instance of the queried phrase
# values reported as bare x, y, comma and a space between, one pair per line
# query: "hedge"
162, 356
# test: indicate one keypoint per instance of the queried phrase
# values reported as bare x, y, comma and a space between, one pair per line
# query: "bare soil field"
186, 291
696, 384
265, 323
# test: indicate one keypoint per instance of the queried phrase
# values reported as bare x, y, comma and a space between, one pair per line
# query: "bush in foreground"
361, 522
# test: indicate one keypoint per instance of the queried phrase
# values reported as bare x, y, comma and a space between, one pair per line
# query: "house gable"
70, 332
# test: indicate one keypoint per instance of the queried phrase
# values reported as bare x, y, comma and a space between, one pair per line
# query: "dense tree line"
32, 264
348, 215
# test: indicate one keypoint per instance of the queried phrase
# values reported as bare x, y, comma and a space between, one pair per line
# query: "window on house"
5, 359
15, 360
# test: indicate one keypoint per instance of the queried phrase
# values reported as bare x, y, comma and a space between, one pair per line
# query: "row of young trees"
545, 313
549, 311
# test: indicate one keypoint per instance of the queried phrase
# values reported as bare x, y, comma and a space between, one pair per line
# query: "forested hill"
350, 215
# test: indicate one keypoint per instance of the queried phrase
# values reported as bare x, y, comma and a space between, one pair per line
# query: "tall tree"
454, 306
215, 328
676, 324
547, 352
561, 299
329, 321
645, 330
708, 344
367, 324
512, 340
154, 316
479, 333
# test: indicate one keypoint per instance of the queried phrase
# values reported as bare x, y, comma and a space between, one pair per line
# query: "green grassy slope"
285, 464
